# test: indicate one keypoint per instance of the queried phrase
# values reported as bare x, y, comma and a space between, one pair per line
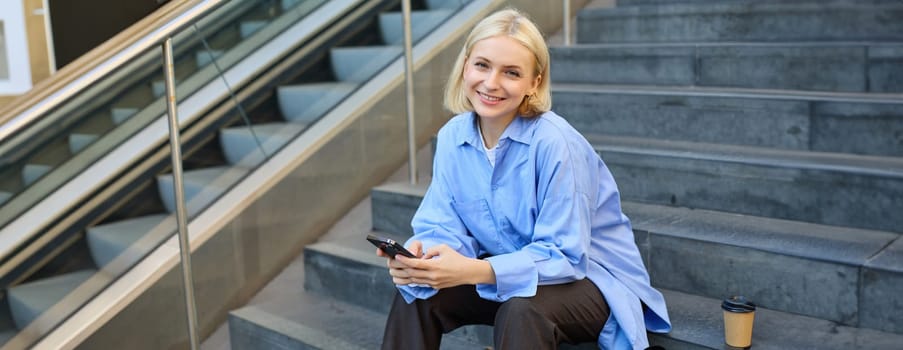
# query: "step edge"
865, 165
730, 92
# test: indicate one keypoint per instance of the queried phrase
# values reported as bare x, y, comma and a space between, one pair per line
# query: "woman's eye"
481, 65
513, 73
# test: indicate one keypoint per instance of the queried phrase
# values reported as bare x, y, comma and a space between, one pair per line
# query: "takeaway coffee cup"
738, 321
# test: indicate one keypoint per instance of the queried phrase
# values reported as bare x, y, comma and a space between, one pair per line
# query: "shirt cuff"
410, 293
515, 276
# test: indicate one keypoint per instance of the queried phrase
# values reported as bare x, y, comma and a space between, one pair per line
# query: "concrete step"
202, 186
5, 196
341, 269
422, 22
308, 102
109, 241
824, 188
791, 266
698, 323
827, 122
309, 320
393, 206
29, 300
851, 67
359, 64
242, 144
882, 272
743, 21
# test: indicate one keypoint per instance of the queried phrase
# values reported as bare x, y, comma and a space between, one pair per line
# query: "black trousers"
562, 313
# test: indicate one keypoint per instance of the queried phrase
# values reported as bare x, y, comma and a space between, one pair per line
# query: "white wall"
15, 49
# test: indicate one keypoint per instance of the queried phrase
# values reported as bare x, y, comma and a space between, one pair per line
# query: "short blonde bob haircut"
515, 25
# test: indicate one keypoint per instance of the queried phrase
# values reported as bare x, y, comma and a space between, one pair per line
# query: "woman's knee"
518, 309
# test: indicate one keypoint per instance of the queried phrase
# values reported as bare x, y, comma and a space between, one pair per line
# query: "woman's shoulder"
551, 127
457, 124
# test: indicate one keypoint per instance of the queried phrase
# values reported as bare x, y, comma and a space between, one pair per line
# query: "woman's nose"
491, 81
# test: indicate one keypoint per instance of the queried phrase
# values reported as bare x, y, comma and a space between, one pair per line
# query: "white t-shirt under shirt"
490, 152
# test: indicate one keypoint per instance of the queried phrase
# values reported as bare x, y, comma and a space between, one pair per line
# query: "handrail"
409, 91
101, 62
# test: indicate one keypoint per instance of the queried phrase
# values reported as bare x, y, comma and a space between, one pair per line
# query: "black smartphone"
389, 246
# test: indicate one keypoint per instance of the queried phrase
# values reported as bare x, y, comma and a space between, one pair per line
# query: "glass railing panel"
75, 135
51, 273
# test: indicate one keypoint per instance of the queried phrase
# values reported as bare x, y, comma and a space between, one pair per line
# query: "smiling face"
498, 74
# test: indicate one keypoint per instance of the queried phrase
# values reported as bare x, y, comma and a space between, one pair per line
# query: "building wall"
25, 57
79, 26
76, 26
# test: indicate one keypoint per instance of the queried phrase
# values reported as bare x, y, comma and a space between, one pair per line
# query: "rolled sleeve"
410, 293
515, 275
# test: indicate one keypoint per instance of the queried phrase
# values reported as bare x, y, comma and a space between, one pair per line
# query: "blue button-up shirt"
548, 212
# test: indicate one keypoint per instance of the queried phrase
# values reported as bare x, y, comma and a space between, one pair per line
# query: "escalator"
85, 189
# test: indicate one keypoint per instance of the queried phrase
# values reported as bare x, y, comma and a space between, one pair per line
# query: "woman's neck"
492, 129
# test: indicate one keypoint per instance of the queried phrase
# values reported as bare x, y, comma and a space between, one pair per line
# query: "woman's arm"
557, 252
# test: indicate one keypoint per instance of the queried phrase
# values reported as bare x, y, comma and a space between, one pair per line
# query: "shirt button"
495, 187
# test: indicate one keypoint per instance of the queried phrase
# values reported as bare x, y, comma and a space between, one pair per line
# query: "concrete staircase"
757, 146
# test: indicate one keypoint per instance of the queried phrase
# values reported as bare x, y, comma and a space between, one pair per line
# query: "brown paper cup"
739, 314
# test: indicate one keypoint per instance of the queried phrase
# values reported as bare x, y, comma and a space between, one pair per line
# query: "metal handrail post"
409, 91
567, 22
179, 189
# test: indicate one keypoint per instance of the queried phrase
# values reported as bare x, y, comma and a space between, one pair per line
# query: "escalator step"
202, 186
78, 142
359, 64
248, 28
158, 87
240, 144
204, 57
447, 4
422, 22
120, 115
288, 4
306, 103
33, 172
108, 241
28, 301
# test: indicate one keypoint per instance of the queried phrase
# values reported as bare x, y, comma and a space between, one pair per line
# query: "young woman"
521, 227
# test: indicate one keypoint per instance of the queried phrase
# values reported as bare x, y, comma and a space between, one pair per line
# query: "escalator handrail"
101, 62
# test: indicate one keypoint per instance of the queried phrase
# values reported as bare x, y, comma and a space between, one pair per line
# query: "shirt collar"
516, 131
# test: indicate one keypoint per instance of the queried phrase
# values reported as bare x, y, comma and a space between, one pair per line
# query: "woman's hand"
397, 268
441, 267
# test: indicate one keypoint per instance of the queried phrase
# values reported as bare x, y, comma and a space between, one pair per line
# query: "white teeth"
489, 98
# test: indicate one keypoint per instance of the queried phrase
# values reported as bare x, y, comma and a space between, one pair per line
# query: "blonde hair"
517, 26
